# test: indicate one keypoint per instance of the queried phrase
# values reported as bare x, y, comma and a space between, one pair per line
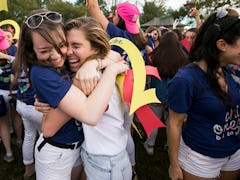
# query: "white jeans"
54, 163
32, 120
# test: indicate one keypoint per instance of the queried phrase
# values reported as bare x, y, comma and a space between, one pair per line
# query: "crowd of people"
52, 81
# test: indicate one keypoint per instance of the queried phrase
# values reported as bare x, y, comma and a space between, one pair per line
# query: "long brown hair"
168, 57
25, 56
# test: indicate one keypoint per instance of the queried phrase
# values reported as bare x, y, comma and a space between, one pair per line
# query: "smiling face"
190, 36
86, 40
79, 48
9, 37
73, 62
155, 35
46, 54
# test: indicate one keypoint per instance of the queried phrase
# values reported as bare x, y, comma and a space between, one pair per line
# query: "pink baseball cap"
130, 14
3, 41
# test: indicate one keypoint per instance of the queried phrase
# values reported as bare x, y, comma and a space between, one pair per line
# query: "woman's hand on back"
41, 107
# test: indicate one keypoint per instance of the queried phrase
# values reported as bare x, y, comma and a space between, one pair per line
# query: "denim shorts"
104, 167
204, 166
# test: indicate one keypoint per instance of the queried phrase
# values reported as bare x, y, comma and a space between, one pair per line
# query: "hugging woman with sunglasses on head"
43, 49
206, 145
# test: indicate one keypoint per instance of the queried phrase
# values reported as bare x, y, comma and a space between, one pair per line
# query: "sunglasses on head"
34, 21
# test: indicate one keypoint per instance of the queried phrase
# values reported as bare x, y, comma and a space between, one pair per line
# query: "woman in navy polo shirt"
206, 145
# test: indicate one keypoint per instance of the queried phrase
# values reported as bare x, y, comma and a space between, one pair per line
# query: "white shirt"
108, 137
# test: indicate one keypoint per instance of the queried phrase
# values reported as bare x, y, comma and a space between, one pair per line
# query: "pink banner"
146, 116
148, 119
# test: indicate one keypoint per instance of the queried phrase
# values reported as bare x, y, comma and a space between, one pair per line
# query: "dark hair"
168, 57
163, 31
204, 47
121, 23
179, 33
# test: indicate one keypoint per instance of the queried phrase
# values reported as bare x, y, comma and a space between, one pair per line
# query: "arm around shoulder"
89, 109
87, 76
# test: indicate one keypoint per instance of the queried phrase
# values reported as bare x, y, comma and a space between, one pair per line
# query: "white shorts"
204, 166
54, 163
6, 94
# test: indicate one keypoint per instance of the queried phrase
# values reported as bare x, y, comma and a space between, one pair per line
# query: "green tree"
68, 10
18, 9
205, 7
80, 2
102, 4
152, 9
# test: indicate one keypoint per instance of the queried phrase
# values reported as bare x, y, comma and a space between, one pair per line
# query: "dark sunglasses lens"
34, 21
54, 16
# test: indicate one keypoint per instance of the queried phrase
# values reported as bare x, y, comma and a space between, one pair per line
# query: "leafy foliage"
102, 3
67, 9
205, 7
18, 9
151, 10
